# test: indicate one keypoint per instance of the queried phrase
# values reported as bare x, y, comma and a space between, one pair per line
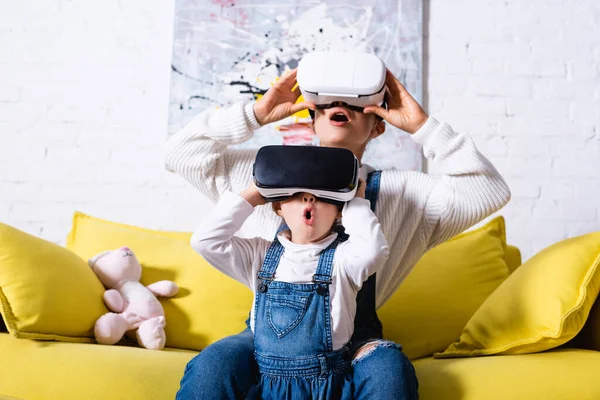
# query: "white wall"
84, 90
523, 78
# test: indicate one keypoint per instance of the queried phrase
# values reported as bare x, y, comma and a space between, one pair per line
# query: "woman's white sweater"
417, 211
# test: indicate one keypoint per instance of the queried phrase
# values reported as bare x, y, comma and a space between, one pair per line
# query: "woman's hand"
279, 101
253, 196
403, 111
360, 191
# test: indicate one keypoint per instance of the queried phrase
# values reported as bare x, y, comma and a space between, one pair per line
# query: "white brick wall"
84, 92
523, 78
83, 116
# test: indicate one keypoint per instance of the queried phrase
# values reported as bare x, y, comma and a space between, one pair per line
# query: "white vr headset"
330, 174
357, 79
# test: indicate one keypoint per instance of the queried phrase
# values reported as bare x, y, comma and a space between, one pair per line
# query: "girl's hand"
252, 195
279, 101
360, 191
403, 111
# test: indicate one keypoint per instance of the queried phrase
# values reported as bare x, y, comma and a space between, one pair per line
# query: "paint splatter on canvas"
226, 51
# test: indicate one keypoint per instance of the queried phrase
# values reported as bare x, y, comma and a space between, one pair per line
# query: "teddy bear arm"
163, 288
113, 300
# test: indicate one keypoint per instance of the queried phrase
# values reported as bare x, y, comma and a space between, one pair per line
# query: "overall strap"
366, 322
372, 189
323, 273
267, 271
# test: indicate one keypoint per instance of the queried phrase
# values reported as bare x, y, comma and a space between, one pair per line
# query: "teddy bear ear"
92, 261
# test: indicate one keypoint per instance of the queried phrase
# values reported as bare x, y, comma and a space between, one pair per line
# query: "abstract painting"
226, 51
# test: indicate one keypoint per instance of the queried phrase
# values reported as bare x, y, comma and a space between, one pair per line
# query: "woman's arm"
200, 152
468, 189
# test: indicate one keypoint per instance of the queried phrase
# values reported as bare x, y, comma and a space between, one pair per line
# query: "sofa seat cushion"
61, 370
555, 374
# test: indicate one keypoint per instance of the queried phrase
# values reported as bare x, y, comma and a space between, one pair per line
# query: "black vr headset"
330, 174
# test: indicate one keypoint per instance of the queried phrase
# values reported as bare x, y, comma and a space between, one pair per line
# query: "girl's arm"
215, 241
366, 249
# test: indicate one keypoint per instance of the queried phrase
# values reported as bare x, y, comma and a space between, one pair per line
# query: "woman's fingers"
380, 111
288, 79
397, 90
302, 106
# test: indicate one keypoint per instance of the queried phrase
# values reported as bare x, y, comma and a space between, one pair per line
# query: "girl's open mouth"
308, 215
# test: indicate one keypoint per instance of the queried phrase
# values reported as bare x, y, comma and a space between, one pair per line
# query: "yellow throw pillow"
46, 291
543, 304
209, 305
448, 284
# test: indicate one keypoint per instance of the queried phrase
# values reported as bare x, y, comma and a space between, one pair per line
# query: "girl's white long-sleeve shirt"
416, 210
353, 262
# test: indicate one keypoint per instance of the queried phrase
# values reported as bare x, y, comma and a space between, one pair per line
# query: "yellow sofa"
427, 314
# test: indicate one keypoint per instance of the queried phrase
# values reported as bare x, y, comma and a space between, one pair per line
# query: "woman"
416, 211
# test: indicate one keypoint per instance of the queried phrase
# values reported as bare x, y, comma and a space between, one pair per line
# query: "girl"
305, 282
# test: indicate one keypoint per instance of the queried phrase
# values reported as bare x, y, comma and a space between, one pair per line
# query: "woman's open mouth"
339, 116
308, 215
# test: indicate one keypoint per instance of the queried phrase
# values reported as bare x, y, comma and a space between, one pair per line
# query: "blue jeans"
227, 370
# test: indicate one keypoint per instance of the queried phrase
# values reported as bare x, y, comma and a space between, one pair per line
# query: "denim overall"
292, 330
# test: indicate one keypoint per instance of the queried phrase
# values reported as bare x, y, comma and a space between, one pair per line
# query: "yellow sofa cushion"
209, 305
543, 304
46, 291
448, 284
56, 370
556, 374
